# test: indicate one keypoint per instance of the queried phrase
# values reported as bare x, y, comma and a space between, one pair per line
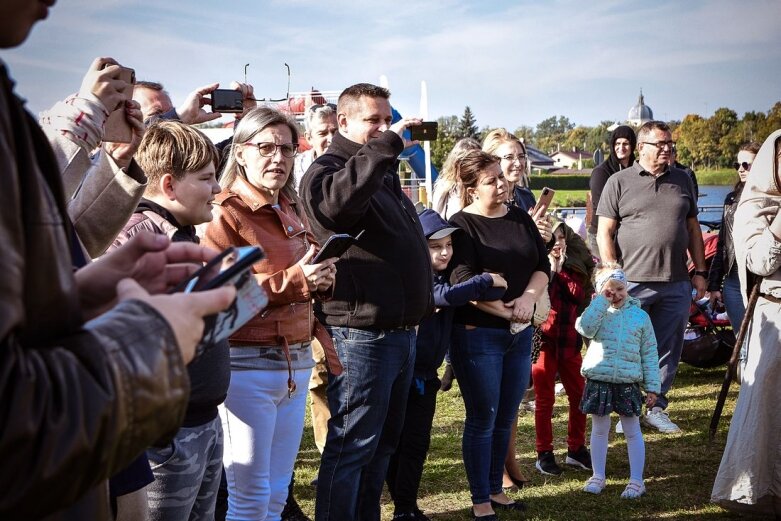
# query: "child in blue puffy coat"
621, 358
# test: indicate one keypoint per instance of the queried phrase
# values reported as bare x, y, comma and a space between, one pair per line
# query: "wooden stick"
733, 360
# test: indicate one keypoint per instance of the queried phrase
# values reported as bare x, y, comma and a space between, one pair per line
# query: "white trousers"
262, 427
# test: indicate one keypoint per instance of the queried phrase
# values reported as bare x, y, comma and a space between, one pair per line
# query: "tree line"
702, 142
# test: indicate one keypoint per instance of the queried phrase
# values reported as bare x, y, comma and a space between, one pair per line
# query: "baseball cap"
434, 226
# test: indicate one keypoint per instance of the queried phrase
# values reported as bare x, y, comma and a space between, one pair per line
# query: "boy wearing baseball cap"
433, 340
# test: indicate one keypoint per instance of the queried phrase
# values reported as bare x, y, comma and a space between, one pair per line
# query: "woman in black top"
490, 361
723, 268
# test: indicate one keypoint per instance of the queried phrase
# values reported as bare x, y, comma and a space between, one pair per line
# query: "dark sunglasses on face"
744, 165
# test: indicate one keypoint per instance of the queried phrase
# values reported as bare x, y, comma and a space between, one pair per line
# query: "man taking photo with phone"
382, 292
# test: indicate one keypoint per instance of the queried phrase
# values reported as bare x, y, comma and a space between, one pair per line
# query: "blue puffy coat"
623, 346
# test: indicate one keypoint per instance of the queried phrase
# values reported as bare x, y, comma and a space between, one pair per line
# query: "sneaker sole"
539, 467
575, 463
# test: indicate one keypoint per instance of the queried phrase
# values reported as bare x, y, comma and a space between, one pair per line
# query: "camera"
227, 100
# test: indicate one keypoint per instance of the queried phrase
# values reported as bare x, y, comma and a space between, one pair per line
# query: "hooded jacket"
757, 250
608, 167
385, 280
623, 347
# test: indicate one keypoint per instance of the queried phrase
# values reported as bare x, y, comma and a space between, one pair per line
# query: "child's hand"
499, 281
650, 399
608, 294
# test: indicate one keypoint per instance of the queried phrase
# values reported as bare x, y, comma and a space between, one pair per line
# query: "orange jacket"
243, 217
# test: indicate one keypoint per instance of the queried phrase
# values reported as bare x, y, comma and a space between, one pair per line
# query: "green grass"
717, 177
680, 468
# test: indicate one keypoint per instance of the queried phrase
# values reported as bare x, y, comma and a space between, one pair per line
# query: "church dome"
640, 113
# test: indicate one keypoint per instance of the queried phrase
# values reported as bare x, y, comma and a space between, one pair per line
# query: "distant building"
640, 113
539, 161
570, 159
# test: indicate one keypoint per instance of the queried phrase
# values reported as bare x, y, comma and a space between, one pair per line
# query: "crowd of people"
116, 409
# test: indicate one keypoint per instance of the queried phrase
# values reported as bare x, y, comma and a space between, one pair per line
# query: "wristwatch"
703, 274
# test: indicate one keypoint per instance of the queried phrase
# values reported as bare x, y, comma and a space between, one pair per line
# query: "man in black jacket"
382, 292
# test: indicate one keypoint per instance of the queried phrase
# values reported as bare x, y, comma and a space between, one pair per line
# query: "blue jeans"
667, 303
492, 367
367, 402
733, 301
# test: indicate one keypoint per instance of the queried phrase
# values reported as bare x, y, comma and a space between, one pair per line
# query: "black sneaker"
420, 516
546, 463
579, 458
293, 512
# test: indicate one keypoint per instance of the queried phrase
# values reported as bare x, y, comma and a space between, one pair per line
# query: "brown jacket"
243, 217
79, 401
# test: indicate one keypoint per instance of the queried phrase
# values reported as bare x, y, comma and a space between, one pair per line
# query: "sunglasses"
743, 165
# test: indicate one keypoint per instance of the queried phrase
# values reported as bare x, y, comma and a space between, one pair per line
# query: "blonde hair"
498, 137
254, 122
171, 147
448, 177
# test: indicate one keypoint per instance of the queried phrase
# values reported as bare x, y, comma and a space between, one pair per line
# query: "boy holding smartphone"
180, 164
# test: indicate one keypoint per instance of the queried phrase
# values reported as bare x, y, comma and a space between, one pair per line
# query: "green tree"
723, 125
525, 134
467, 126
447, 136
552, 132
576, 138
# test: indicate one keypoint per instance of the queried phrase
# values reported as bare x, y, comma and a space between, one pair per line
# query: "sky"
512, 62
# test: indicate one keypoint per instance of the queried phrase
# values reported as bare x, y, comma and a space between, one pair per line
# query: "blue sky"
513, 63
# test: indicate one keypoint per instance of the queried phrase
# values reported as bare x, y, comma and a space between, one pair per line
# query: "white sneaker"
619, 427
660, 420
558, 390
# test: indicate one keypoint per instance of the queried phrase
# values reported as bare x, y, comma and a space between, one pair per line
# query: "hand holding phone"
335, 246
117, 128
426, 131
546, 197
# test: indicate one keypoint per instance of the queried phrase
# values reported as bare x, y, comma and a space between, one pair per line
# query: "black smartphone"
546, 198
233, 265
206, 272
335, 246
227, 100
426, 131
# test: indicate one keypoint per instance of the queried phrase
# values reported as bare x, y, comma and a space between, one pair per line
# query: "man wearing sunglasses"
647, 222
382, 292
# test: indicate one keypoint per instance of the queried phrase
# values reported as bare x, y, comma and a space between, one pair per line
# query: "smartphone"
546, 197
227, 100
426, 131
335, 246
231, 268
117, 129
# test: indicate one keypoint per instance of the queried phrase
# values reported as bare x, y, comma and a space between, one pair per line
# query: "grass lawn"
680, 468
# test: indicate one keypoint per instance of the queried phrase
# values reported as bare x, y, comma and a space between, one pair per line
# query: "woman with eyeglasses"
271, 356
723, 282
513, 160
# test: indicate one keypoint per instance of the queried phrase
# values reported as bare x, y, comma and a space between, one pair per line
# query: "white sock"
635, 446
600, 428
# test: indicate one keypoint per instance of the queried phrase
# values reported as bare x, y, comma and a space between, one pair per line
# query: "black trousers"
406, 465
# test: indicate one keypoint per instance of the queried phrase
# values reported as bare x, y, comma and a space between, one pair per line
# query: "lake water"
711, 203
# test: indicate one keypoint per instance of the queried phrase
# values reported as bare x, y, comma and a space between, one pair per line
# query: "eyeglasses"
661, 145
268, 149
511, 158
319, 106
743, 165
